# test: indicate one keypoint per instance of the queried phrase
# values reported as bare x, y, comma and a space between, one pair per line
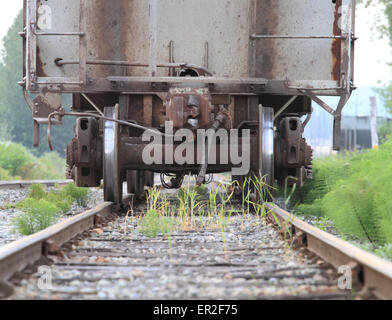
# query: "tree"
15, 118
384, 29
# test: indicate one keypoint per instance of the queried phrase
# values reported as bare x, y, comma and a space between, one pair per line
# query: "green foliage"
17, 163
39, 215
353, 209
79, 194
313, 209
189, 199
322, 223
385, 251
354, 192
153, 224
60, 199
41, 209
16, 121
37, 191
326, 172
15, 158
385, 132
384, 29
50, 166
4, 175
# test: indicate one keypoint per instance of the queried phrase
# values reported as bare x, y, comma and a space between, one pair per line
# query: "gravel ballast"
10, 197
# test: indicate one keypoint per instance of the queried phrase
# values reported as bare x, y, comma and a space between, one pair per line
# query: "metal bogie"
112, 174
252, 65
293, 156
267, 146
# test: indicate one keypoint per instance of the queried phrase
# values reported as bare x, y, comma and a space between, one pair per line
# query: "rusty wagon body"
241, 64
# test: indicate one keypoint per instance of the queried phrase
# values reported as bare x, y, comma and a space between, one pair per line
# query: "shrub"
16, 162
60, 199
37, 191
50, 166
313, 209
4, 175
353, 209
15, 158
41, 209
79, 194
354, 192
326, 172
39, 215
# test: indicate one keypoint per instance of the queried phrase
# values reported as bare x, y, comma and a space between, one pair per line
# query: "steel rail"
25, 184
374, 273
17, 255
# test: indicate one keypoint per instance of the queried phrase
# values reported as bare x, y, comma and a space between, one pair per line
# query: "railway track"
100, 254
25, 184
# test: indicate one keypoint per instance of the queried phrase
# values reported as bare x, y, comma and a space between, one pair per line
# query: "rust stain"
40, 66
267, 19
105, 29
336, 43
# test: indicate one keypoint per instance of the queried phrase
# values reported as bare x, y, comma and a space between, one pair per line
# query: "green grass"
191, 210
354, 192
41, 209
80, 195
385, 251
38, 215
152, 224
37, 191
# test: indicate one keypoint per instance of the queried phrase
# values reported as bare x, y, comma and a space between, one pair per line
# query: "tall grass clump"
354, 191
38, 215
37, 191
326, 173
79, 194
152, 224
42, 209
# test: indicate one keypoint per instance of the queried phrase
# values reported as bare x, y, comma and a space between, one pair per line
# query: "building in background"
356, 122
357, 133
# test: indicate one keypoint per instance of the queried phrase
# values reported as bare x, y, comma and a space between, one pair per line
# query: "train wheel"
267, 152
136, 180
246, 184
149, 179
111, 173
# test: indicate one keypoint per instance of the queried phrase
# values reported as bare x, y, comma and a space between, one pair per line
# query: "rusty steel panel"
62, 16
119, 30
297, 59
299, 42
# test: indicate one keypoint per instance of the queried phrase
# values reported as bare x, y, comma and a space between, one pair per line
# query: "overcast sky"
371, 53
8, 12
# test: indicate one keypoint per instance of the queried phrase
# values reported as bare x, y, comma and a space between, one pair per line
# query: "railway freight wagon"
180, 87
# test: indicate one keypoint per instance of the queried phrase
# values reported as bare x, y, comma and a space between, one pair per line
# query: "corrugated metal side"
64, 17
295, 59
119, 30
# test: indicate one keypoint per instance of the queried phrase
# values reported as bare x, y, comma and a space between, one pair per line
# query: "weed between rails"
199, 209
42, 209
